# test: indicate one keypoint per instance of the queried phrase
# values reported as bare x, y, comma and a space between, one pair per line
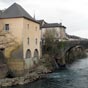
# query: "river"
75, 76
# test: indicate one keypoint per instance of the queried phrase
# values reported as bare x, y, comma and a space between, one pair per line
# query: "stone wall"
3, 70
18, 52
16, 66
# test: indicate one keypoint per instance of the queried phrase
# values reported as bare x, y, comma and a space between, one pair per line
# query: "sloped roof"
73, 36
16, 11
49, 25
41, 22
0, 12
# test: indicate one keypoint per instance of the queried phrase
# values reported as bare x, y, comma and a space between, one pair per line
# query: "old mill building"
16, 23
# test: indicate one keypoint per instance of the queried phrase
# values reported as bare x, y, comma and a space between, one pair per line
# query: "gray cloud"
72, 14
8, 1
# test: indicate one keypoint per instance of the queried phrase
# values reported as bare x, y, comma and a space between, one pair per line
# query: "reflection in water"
75, 76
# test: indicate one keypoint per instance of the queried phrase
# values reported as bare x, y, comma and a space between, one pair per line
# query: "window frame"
6, 27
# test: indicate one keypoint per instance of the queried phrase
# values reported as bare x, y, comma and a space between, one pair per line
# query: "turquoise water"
75, 76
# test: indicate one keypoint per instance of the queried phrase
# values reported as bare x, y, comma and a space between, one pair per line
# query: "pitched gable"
16, 11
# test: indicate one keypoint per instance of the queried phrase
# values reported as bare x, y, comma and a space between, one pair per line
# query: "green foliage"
47, 61
50, 42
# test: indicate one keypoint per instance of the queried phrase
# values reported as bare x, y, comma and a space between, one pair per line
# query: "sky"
72, 13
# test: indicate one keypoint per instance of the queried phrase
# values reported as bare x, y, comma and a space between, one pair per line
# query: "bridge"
82, 45
66, 46
74, 43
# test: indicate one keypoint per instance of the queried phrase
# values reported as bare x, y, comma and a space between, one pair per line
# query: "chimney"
60, 24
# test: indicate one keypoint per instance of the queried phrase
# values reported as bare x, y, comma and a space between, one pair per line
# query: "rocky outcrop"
18, 80
37, 73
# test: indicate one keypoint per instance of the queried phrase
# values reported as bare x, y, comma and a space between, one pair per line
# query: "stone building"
26, 33
58, 27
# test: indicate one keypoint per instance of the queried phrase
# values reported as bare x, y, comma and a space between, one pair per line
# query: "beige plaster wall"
18, 28
15, 27
60, 31
32, 32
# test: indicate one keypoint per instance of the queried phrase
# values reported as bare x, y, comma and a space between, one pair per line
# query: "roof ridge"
18, 6
16, 10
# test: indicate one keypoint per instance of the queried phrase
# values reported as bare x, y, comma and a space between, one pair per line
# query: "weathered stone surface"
35, 73
29, 77
3, 70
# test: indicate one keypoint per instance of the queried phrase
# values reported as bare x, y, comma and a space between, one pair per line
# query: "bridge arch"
69, 52
76, 46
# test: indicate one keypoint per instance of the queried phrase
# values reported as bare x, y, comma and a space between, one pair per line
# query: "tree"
50, 44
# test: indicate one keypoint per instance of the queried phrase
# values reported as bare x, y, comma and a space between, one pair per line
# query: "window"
6, 27
57, 35
28, 40
36, 41
27, 26
43, 35
36, 28
28, 54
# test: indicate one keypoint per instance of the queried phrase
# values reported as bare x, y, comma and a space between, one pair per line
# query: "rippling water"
75, 76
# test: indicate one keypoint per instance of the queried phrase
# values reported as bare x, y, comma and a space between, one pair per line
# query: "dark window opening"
36, 28
28, 26
6, 27
10, 74
28, 40
28, 54
36, 41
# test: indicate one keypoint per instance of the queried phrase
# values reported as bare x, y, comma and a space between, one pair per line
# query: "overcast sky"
72, 13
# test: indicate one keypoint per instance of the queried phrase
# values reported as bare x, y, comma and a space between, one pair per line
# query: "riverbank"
75, 76
46, 65
39, 71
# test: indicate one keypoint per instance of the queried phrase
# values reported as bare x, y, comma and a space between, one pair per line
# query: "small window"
27, 26
36, 41
43, 35
36, 28
28, 40
56, 34
7, 27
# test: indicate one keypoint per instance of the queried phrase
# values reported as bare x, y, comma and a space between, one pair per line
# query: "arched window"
36, 54
28, 53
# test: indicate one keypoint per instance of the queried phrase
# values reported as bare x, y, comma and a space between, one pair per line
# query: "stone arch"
28, 53
69, 51
76, 46
36, 53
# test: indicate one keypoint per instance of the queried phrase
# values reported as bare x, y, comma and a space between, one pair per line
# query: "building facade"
59, 28
26, 32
